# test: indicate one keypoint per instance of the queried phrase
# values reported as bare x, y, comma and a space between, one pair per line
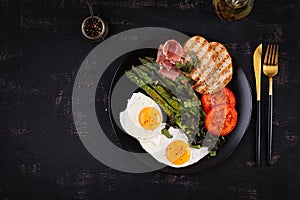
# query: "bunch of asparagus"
176, 98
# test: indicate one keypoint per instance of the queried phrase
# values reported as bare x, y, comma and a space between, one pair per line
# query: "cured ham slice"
170, 74
169, 53
167, 56
172, 50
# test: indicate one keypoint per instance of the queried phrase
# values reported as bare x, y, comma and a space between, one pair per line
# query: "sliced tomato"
223, 96
221, 120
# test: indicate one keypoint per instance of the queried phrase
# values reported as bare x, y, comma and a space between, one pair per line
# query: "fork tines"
271, 57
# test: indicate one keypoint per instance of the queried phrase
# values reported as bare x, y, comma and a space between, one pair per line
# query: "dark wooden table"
41, 50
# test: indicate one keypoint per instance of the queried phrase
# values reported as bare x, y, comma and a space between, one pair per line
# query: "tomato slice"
221, 120
223, 96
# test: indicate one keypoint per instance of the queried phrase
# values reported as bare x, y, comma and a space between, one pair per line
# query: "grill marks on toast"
223, 71
205, 55
214, 68
202, 49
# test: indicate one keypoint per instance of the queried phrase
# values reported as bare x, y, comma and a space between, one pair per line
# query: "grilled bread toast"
214, 68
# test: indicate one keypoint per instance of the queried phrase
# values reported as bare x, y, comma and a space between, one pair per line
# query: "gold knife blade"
257, 69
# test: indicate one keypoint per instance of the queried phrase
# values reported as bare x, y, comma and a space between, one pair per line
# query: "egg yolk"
150, 118
178, 152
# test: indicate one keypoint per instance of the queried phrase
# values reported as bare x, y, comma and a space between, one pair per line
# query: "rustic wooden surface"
41, 49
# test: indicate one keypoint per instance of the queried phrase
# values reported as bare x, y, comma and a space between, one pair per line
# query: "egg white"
129, 118
158, 150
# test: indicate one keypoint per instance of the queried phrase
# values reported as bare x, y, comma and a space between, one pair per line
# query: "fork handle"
270, 131
258, 134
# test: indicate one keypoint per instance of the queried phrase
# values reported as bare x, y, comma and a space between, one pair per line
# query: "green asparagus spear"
165, 132
156, 97
154, 77
172, 85
189, 101
158, 88
144, 61
163, 80
152, 60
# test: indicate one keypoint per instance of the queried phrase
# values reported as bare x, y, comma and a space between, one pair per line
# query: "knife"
257, 71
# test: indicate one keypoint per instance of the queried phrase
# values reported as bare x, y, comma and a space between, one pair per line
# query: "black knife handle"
270, 131
258, 159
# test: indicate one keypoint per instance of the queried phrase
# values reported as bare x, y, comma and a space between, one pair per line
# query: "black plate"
121, 90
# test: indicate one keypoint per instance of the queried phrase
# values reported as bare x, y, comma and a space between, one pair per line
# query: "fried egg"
142, 119
175, 151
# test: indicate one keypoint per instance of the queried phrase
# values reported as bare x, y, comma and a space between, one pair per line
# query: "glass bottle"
232, 10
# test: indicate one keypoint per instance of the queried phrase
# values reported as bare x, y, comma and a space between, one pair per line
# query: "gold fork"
270, 69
